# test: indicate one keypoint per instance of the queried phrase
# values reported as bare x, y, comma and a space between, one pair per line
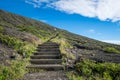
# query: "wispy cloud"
112, 41
39, 19
43, 21
91, 31
102, 9
36, 3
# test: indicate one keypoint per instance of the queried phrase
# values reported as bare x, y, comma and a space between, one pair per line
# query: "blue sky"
86, 20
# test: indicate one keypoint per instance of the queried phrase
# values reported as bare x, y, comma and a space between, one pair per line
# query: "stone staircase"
46, 64
47, 57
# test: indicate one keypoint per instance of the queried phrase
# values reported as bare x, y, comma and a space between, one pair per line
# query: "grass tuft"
13, 72
90, 70
112, 50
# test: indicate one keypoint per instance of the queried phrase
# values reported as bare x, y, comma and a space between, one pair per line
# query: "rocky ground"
7, 54
97, 55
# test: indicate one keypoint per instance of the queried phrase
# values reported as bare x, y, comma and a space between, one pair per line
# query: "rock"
13, 57
92, 54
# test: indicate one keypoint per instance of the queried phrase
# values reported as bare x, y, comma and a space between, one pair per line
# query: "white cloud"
102, 9
39, 19
91, 31
43, 21
36, 3
82, 7
112, 41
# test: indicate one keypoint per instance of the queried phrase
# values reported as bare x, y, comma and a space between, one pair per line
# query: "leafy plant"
63, 45
35, 31
23, 48
92, 70
112, 50
13, 72
72, 75
1, 29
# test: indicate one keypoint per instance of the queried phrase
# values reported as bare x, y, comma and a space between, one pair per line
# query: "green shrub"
35, 31
13, 72
1, 28
72, 76
107, 76
63, 45
10, 41
112, 50
27, 50
98, 71
17, 68
23, 48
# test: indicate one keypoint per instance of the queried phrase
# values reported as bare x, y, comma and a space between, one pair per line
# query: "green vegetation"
34, 30
17, 68
63, 45
90, 70
13, 72
1, 29
112, 50
72, 75
23, 48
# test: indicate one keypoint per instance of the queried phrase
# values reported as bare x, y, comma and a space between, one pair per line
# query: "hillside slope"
19, 37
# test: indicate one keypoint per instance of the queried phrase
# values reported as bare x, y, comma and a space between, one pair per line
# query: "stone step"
49, 45
46, 75
45, 57
48, 50
50, 42
49, 67
46, 61
44, 47
46, 53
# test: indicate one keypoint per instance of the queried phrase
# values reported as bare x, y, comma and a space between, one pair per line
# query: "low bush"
72, 75
63, 45
23, 48
1, 28
13, 72
91, 70
17, 68
112, 50
35, 31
